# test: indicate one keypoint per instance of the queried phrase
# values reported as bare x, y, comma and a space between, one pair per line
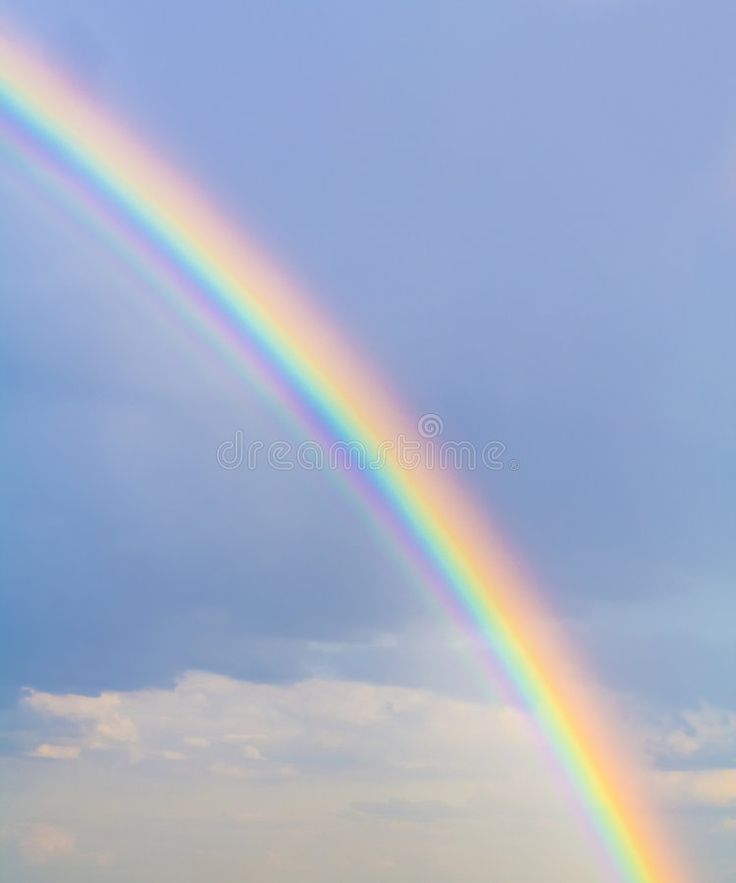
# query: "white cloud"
320, 781
56, 752
100, 717
312, 724
172, 755
692, 732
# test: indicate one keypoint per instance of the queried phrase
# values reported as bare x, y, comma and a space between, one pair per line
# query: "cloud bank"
321, 780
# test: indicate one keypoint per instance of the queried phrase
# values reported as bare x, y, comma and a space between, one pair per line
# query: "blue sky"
525, 214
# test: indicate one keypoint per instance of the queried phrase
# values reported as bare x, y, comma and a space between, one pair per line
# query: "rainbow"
260, 322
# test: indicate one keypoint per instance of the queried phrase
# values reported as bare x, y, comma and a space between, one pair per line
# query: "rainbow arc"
259, 320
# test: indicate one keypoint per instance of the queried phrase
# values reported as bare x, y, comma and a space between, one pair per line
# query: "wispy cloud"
712, 787
56, 752
45, 843
693, 732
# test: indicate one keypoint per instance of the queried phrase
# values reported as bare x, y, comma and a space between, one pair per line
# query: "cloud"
219, 722
41, 844
100, 716
56, 752
693, 732
259, 774
172, 755
701, 744
713, 787
228, 769
320, 780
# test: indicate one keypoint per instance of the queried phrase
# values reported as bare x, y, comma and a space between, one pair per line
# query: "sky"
524, 215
